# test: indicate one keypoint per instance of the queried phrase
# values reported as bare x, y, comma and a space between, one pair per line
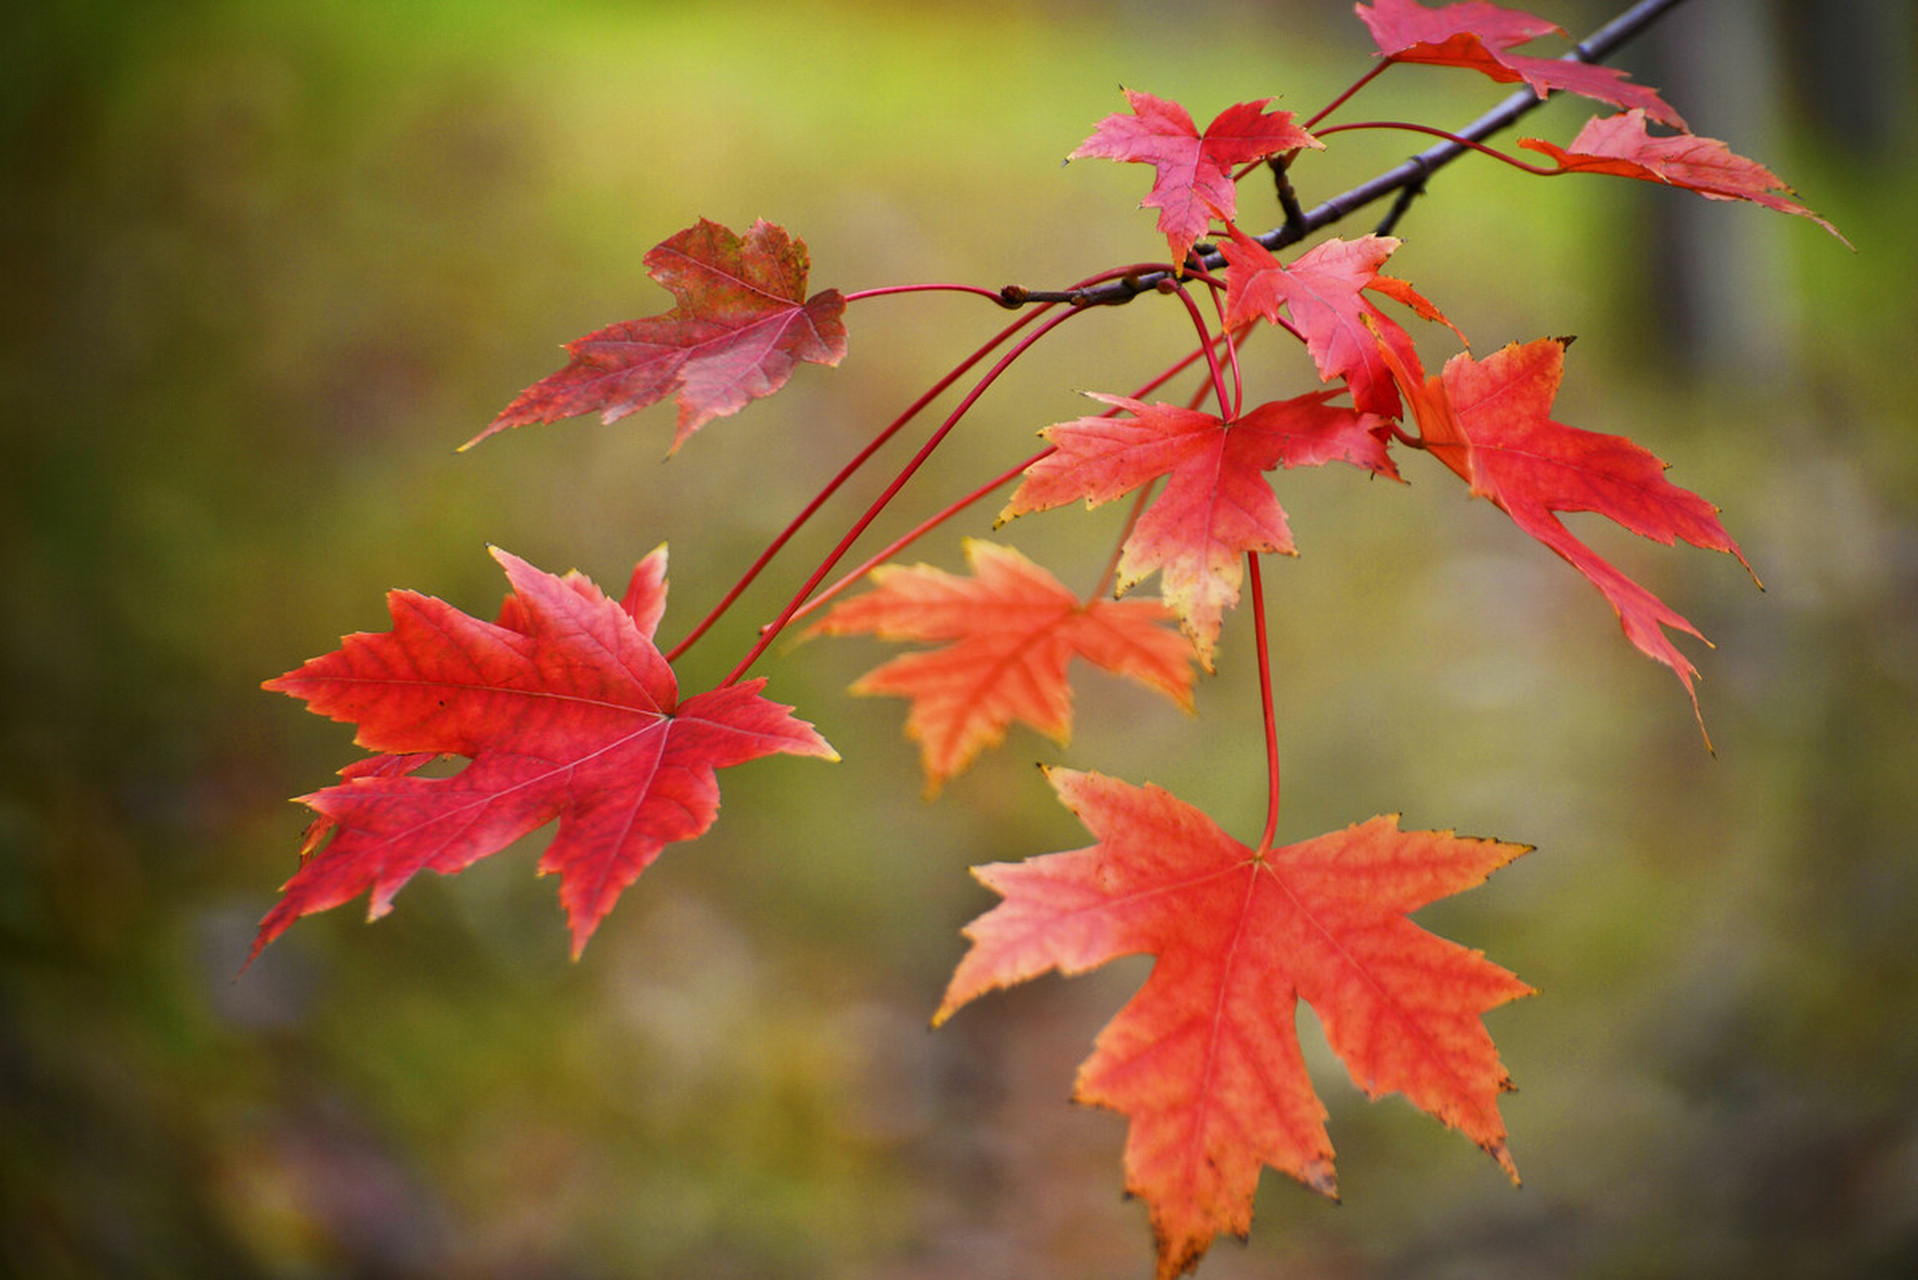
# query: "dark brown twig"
1408, 176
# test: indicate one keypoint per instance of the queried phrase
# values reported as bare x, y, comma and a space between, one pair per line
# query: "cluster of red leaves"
565, 709
1205, 1061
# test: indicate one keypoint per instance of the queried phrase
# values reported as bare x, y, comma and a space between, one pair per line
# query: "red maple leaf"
1490, 422
1012, 630
741, 321
1205, 1060
1217, 504
1480, 36
565, 709
1623, 146
1192, 174
1322, 290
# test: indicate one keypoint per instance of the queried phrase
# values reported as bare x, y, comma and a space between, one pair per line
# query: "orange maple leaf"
1490, 422
1013, 629
1217, 504
1205, 1059
740, 322
1621, 145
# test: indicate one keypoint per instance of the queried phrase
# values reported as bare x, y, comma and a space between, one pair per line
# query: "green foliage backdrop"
266, 264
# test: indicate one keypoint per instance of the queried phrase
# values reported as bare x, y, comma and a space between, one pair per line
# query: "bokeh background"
265, 264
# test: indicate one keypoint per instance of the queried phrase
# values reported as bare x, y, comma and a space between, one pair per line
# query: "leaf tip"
1499, 1153
498, 424
1321, 1177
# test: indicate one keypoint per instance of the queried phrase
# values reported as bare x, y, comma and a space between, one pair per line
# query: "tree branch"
1410, 175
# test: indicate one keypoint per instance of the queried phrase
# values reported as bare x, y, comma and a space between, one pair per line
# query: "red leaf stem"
913, 535
1255, 584
769, 633
1208, 347
1406, 126
1377, 69
846, 473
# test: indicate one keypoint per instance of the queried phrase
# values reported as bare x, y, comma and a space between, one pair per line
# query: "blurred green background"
267, 263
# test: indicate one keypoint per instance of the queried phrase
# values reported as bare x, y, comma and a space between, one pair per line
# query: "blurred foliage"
268, 263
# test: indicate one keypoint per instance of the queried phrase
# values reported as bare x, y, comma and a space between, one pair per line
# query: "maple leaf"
1323, 292
1013, 630
1205, 1059
1217, 504
1622, 145
565, 709
1490, 422
741, 321
1480, 37
1192, 174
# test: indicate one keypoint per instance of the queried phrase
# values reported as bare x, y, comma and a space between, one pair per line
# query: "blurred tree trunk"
1721, 301
1850, 65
